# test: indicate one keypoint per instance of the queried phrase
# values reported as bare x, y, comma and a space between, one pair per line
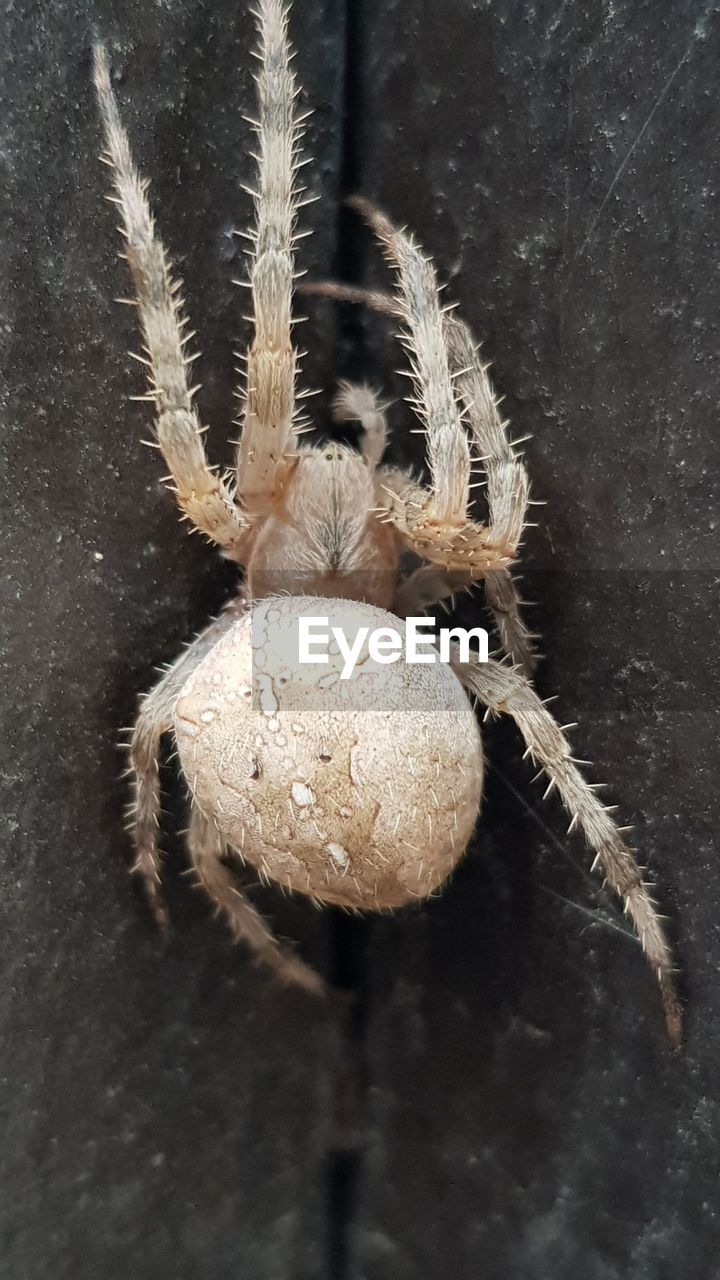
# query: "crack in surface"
348, 933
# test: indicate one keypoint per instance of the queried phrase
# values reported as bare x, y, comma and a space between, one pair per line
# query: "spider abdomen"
361, 792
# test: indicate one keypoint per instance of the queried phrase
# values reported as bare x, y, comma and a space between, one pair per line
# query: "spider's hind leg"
506, 691
149, 727
207, 847
153, 720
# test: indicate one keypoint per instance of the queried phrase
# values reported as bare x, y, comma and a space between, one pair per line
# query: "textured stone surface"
164, 1108
525, 1119
162, 1112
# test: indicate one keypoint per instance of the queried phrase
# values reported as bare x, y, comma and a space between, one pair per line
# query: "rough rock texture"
163, 1112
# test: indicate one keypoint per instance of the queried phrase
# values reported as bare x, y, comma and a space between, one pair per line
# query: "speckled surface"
164, 1111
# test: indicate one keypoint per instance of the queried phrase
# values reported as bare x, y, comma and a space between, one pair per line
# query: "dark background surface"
499, 1101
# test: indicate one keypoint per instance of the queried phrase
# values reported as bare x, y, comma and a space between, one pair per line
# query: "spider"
366, 796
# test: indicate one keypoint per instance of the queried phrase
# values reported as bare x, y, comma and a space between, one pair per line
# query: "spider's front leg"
202, 495
505, 479
437, 524
506, 691
268, 438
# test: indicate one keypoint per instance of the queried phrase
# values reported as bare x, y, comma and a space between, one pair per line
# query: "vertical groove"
349, 933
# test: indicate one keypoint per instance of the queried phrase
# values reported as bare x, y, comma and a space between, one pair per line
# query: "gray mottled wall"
500, 1103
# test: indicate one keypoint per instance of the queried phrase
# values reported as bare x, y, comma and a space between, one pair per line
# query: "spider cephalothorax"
362, 794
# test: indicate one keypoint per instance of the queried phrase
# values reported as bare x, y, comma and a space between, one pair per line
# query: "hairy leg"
268, 438
457, 546
355, 402
425, 587
505, 474
374, 299
202, 495
435, 397
506, 691
502, 599
154, 719
436, 524
207, 848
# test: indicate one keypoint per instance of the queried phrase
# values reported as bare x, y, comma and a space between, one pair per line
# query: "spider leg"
435, 395
207, 848
145, 812
503, 689
155, 719
202, 495
458, 545
374, 299
501, 598
492, 449
355, 402
428, 585
436, 524
502, 467
268, 439
425, 587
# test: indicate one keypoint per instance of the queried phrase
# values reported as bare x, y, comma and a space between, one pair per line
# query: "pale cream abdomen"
363, 792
